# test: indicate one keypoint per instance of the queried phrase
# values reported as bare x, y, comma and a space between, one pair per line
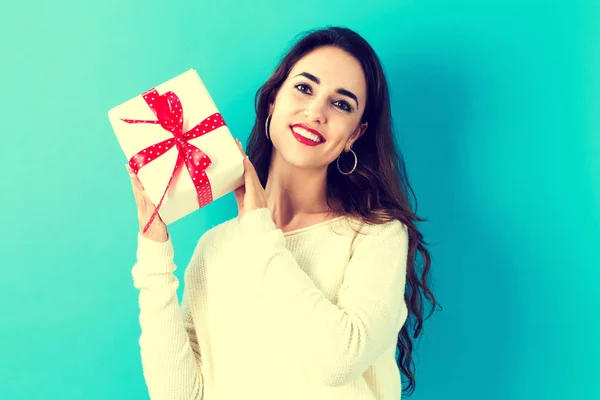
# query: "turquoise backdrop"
496, 106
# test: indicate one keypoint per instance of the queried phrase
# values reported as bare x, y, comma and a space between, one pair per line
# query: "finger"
136, 182
239, 144
138, 191
253, 187
245, 160
239, 196
145, 206
146, 198
247, 175
250, 175
137, 195
248, 166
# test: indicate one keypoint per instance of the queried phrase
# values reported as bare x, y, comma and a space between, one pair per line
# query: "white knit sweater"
310, 314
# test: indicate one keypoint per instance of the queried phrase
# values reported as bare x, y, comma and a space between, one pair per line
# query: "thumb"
239, 194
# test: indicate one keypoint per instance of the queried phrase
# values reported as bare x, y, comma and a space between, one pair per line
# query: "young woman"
310, 291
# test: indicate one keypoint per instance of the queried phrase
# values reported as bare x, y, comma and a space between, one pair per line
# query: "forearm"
170, 367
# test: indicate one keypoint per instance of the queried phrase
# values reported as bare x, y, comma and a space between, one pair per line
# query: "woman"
306, 295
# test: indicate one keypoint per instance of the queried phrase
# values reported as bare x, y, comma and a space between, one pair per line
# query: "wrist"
156, 235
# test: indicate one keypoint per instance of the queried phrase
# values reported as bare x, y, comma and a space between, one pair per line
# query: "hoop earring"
353, 168
267, 122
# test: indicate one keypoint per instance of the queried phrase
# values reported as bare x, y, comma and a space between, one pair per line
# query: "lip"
304, 140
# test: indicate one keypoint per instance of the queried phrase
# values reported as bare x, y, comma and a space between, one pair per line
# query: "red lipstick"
307, 141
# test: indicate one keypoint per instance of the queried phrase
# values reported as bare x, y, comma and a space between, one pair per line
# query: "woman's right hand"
157, 231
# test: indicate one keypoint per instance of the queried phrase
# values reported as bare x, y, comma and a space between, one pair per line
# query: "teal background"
496, 106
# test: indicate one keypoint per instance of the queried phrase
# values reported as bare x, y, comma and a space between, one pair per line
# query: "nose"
314, 112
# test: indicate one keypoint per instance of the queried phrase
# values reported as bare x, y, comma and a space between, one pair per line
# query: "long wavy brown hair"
378, 190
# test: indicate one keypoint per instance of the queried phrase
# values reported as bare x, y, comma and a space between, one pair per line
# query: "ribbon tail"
155, 213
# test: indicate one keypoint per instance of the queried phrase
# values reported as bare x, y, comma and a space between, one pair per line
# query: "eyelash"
348, 108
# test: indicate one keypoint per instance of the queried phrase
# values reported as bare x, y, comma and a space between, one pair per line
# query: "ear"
356, 135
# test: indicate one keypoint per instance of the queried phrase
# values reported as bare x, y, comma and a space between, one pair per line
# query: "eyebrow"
341, 91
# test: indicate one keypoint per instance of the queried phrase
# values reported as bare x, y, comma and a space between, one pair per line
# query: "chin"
292, 156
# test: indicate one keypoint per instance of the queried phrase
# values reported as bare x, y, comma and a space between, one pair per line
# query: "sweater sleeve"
340, 340
170, 355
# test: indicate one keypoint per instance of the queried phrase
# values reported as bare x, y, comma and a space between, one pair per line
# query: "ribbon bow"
167, 108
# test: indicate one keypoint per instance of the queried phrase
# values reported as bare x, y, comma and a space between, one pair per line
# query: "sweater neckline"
313, 226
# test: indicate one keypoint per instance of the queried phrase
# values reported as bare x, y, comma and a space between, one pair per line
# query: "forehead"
335, 68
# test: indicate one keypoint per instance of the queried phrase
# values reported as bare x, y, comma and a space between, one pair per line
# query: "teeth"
304, 133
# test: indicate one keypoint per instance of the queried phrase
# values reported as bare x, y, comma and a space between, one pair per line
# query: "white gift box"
226, 170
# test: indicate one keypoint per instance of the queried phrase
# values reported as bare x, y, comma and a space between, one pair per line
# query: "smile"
306, 135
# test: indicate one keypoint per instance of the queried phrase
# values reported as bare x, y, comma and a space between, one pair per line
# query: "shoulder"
391, 233
390, 227
363, 228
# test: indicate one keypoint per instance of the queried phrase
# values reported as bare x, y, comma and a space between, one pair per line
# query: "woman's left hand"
251, 195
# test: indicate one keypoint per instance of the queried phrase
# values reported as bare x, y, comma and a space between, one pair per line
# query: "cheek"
287, 104
284, 114
341, 130
289, 100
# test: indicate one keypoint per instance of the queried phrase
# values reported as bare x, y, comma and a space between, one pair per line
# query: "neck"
295, 193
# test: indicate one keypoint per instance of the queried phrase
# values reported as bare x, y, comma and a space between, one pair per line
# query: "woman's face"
317, 111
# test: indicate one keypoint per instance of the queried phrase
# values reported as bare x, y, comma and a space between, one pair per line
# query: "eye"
343, 105
304, 88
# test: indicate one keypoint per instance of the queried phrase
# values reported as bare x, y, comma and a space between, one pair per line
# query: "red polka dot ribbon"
167, 108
